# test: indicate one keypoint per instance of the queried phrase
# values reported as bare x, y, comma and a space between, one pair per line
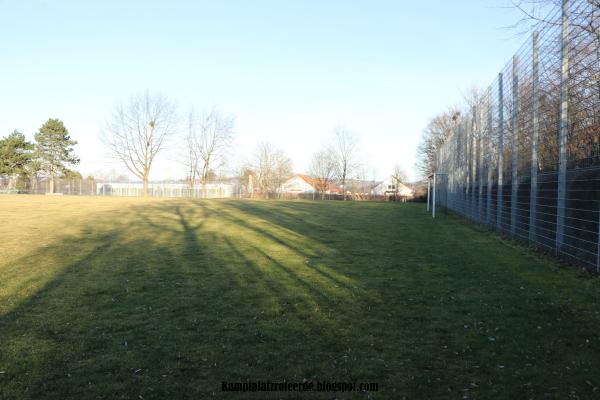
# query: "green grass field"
114, 298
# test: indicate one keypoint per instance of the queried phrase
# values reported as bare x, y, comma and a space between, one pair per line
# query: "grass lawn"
115, 298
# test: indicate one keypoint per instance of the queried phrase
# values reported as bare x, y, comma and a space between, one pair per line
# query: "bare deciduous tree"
583, 94
247, 176
345, 154
137, 131
272, 167
399, 176
191, 157
536, 14
438, 129
323, 166
208, 140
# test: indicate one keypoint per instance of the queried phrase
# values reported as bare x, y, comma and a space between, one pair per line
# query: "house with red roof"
301, 183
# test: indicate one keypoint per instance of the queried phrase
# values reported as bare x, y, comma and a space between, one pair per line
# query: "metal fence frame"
525, 159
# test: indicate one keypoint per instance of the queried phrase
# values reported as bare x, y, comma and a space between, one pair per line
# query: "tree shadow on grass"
473, 307
301, 244
166, 301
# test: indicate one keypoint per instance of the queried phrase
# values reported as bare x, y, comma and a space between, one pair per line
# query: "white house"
300, 183
391, 187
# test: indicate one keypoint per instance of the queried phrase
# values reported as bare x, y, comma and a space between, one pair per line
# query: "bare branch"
137, 132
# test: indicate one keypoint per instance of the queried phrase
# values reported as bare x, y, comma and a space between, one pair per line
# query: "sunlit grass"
130, 298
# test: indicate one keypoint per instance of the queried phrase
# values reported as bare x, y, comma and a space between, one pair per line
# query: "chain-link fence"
207, 191
526, 158
71, 186
91, 187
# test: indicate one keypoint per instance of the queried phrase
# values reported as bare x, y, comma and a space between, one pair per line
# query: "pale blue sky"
288, 70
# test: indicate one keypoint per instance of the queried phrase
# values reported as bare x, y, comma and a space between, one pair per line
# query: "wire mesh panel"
526, 159
208, 191
70, 186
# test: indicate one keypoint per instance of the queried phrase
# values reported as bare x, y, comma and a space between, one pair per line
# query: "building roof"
399, 185
315, 182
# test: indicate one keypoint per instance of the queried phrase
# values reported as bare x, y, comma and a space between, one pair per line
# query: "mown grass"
111, 298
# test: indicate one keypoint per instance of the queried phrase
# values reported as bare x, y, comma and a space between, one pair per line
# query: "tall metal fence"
526, 158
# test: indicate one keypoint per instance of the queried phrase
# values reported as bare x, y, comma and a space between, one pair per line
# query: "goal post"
428, 191
432, 192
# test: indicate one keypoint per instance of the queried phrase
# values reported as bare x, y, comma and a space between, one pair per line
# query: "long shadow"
332, 226
223, 212
439, 283
310, 253
166, 300
286, 300
158, 306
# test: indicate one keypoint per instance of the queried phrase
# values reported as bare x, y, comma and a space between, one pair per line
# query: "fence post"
490, 175
458, 184
562, 135
428, 190
480, 167
514, 146
474, 158
469, 154
598, 248
463, 166
534, 139
468, 165
500, 200
434, 189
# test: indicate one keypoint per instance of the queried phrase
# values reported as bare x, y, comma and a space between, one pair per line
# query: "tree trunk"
145, 190
204, 178
11, 182
51, 190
